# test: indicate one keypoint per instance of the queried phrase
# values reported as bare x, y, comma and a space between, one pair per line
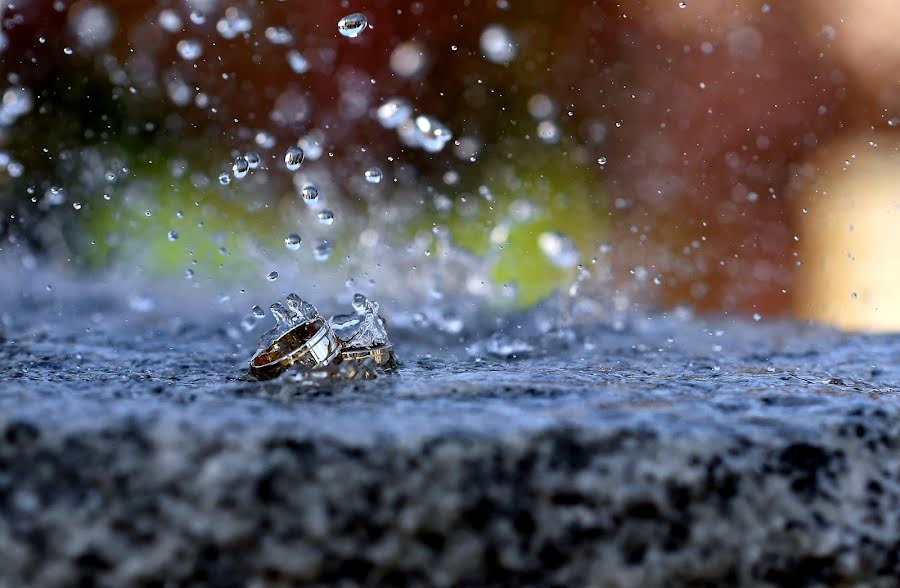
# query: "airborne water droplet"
252, 159
189, 49
173, 236
293, 158
374, 175
326, 217
393, 112
292, 241
323, 250
298, 63
497, 45
224, 179
352, 24
272, 276
310, 194
241, 167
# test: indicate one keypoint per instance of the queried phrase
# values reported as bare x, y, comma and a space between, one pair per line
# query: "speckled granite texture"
673, 453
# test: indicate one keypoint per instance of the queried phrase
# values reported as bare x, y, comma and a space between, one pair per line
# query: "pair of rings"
303, 338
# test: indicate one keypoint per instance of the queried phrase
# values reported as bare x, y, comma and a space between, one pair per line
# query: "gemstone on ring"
300, 336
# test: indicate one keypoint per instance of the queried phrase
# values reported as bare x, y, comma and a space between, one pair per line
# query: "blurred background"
734, 157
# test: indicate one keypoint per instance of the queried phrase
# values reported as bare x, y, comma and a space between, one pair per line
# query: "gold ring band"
382, 355
312, 344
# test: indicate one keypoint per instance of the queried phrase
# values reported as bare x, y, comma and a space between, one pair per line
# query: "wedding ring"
381, 355
310, 344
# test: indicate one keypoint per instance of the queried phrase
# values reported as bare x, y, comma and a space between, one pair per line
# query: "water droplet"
409, 59
682, 5
188, 274
431, 134
279, 36
189, 49
272, 276
224, 179
293, 158
497, 45
359, 303
326, 217
252, 159
234, 23
16, 103
374, 175
559, 249
548, 132
169, 20
601, 160
323, 250
757, 317
173, 236
310, 194
257, 311
292, 241
352, 24
241, 167
298, 63
393, 112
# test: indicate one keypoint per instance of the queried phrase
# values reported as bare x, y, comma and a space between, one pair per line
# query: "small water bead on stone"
189, 49
293, 158
173, 236
310, 194
224, 179
393, 112
241, 167
497, 45
298, 63
374, 175
326, 217
323, 250
272, 276
352, 24
292, 241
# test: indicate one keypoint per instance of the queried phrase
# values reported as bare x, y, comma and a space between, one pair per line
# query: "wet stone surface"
676, 452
